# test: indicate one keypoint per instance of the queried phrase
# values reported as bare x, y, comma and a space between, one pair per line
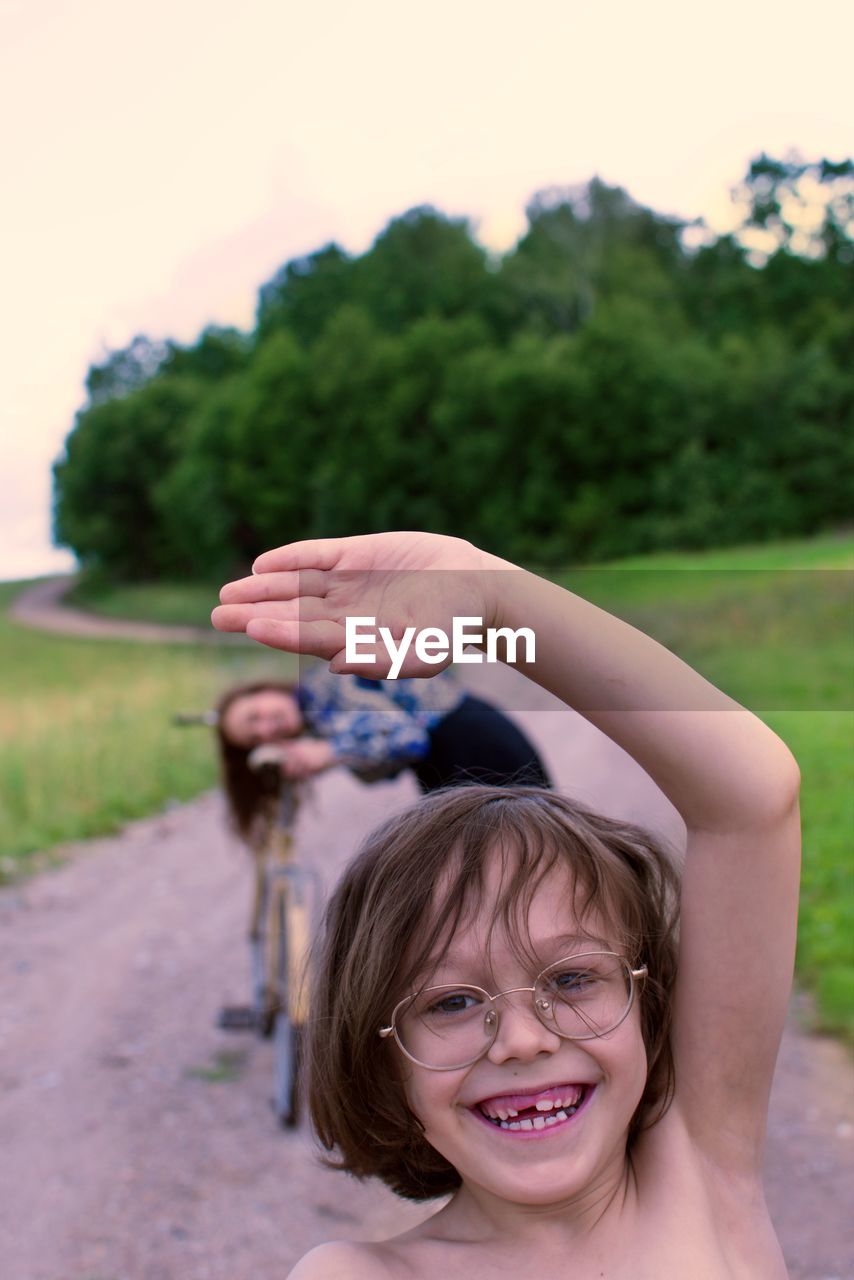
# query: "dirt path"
136, 1140
41, 607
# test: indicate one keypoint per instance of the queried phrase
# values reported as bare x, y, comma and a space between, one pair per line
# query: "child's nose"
520, 1032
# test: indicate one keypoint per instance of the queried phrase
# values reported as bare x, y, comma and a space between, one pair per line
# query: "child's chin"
537, 1192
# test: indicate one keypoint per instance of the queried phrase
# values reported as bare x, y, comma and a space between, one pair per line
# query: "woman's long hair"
246, 793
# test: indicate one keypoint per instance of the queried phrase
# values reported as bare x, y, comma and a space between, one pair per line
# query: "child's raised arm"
732, 780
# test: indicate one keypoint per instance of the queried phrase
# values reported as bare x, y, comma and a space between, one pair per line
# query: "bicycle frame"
280, 879
284, 916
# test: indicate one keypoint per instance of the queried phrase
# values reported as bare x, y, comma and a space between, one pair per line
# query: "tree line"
619, 381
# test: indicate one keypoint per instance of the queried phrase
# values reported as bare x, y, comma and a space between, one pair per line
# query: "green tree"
303, 295
804, 207
214, 356
114, 458
422, 264
205, 533
126, 370
604, 389
585, 244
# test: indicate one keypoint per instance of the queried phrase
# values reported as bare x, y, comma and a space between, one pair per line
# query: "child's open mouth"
534, 1112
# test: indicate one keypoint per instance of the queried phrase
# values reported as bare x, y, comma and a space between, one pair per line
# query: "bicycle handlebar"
184, 719
267, 753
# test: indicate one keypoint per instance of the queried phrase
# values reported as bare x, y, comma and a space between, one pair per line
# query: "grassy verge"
827, 551
190, 603
171, 603
823, 743
773, 626
86, 741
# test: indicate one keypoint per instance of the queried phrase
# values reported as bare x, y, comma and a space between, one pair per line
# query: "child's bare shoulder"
341, 1260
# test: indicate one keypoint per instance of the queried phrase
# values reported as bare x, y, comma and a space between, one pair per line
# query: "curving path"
40, 606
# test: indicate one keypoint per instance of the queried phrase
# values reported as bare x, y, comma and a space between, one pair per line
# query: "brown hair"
245, 789
384, 921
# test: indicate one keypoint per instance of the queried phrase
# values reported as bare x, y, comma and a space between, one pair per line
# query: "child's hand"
299, 595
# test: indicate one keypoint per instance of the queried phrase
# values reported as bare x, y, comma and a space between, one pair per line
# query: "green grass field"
87, 742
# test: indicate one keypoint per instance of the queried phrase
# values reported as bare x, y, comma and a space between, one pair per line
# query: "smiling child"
503, 1010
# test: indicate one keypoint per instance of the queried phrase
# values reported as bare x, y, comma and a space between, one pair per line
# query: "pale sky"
159, 161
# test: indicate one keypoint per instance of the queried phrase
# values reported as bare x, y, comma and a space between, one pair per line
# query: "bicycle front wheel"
287, 1044
286, 1034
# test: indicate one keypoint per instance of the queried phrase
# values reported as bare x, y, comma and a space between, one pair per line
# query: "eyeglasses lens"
584, 996
447, 1026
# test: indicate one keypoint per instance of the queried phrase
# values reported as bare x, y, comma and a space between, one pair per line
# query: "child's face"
527, 1063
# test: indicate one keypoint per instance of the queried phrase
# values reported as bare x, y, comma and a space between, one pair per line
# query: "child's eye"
569, 982
453, 1002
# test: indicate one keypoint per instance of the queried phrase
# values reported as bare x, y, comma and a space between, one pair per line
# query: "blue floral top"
376, 727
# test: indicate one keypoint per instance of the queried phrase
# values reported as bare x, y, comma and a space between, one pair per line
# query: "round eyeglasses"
580, 997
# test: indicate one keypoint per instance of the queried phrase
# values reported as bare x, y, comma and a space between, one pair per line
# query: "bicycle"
282, 922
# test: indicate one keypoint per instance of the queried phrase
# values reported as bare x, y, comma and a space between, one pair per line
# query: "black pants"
477, 743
